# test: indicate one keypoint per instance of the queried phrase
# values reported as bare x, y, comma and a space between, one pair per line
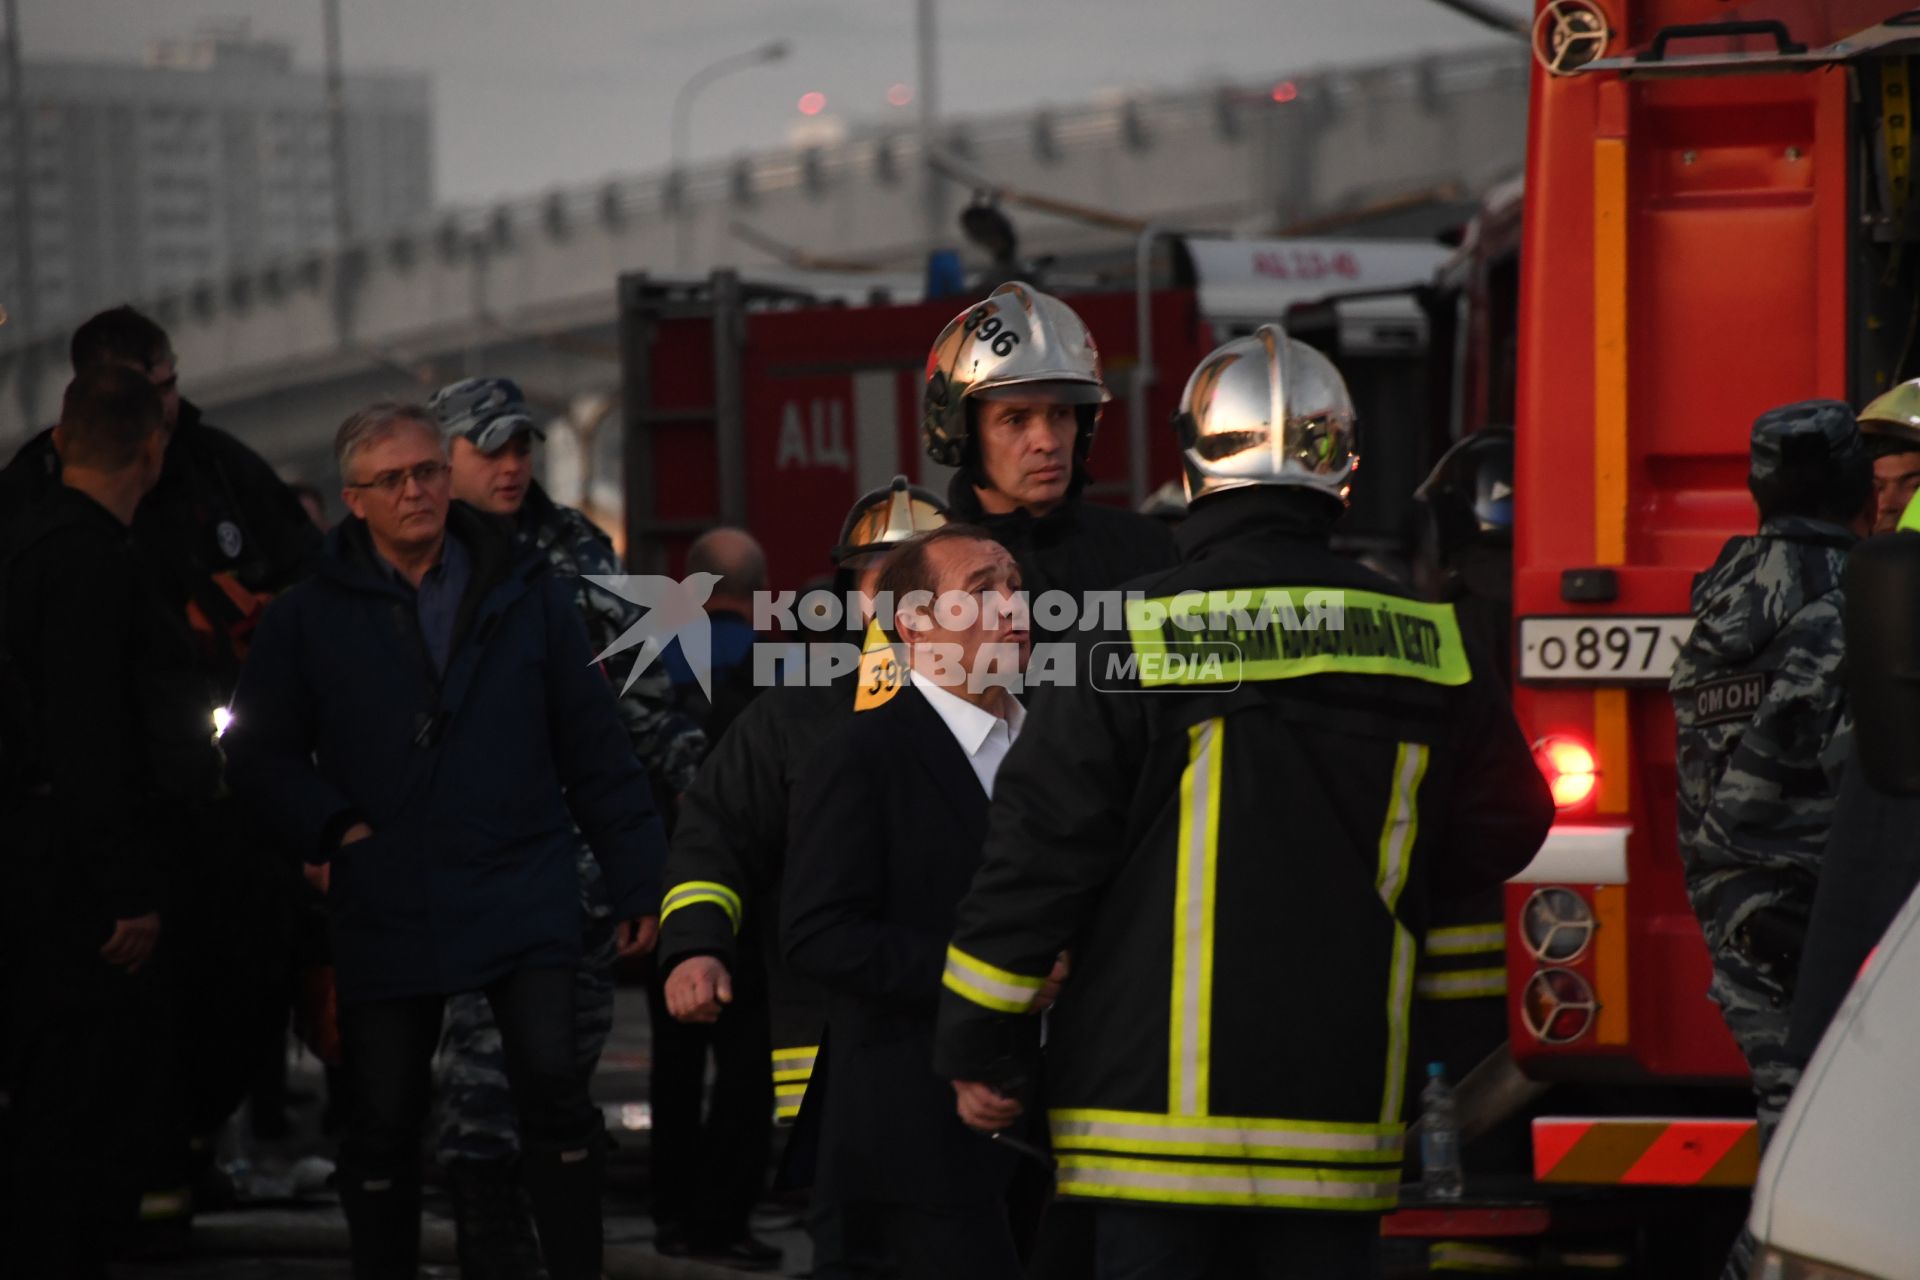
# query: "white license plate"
1602, 649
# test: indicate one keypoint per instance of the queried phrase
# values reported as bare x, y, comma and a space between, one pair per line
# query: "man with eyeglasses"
424, 721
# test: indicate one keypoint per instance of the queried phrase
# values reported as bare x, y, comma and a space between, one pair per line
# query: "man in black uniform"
220, 533
1239, 864
721, 912
1012, 398
107, 742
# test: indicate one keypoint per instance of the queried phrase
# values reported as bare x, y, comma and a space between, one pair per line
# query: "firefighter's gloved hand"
697, 989
1055, 980
984, 1107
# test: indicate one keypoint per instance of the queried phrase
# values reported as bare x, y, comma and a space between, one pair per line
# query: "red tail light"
1569, 769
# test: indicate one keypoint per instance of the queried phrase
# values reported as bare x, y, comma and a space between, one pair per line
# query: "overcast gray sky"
533, 93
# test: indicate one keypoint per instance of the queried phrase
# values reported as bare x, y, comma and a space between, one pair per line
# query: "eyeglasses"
391, 483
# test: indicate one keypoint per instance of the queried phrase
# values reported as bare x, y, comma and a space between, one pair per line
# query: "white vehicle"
1835, 1199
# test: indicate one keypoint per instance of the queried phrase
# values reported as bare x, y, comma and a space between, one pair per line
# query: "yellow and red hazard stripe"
1646, 1152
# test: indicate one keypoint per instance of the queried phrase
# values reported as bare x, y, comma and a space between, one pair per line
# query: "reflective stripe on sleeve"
1277, 1186
693, 891
992, 988
1467, 940
1465, 984
1231, 1136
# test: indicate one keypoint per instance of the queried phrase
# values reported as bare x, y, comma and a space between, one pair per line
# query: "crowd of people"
1111, 976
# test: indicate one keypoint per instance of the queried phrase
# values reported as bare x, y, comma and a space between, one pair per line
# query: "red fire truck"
1718, 219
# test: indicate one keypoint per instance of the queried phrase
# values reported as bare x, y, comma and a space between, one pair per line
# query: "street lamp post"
682, 104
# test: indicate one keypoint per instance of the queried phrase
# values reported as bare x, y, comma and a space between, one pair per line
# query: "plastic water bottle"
1440, 1177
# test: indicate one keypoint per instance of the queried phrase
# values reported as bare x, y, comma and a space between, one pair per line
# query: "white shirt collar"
970, 725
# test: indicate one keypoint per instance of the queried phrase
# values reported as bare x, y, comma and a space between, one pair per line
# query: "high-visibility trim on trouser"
986, 985
792, 1070
1234, 1137
1461, 1257
1462, 984
692, 891
1263, 1185
1196, 863
1397, 838
1467, 940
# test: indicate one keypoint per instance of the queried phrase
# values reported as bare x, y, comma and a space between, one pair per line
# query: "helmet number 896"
989, 328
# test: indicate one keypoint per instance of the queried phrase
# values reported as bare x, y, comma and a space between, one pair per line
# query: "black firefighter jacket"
1240, 860
887, 836
1079, 546
729, 853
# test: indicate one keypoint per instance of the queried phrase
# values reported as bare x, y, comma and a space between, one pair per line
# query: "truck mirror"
1883, 659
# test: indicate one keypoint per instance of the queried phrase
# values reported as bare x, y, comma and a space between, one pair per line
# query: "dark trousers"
87, 1064
387, 1047
947, 1242
709, 1170
1150, 1242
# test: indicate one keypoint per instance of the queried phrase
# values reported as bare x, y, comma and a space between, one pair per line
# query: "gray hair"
376, 422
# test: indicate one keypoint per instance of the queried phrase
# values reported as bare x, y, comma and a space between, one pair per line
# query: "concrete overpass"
281, 352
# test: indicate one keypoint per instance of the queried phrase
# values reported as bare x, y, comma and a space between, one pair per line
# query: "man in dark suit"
888, 829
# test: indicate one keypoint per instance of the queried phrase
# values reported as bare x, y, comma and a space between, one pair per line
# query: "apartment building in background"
213, 153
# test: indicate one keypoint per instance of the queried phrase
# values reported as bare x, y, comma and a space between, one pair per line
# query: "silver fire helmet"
1267, 410
1018, 337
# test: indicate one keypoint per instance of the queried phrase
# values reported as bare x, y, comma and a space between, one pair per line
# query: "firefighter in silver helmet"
1240, 863
1012, 401
724, 872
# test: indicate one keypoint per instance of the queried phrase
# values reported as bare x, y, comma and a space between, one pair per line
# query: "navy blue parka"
472, 781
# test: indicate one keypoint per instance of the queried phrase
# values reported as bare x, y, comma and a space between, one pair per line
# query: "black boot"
565, 1189
383, 1225
490, 1222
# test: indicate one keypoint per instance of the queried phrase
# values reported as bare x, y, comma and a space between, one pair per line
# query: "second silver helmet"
1267, 410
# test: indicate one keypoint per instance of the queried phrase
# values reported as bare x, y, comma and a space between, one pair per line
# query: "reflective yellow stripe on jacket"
1190, 1156
792, 1071
987, 985
1223, 1183
1485, 944
1397, 837
685, 895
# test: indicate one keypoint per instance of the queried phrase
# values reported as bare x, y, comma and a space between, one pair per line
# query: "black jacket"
472, 781
1079, 546
1240, 861
729, 855
218, 509
887, 836
1871, 868
114, 729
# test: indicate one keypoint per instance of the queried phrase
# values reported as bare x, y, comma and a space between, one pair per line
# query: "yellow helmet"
887, 516
1894, 414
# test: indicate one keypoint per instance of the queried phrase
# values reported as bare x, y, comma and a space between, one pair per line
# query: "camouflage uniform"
1762, 735
478, 1114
